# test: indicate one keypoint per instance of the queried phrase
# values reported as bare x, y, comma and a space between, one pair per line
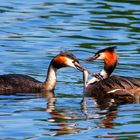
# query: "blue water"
33, 32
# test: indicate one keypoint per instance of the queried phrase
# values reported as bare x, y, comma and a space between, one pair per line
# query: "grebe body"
13, 83
18, 83
103, 85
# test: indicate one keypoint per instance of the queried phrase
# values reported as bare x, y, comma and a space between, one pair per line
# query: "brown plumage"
13, 83
121, 89
18, 83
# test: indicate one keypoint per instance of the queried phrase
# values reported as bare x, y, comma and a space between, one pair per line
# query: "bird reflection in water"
106, 113
60, 118
104, 110
65, 120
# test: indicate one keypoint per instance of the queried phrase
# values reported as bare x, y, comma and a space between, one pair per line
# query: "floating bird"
18, 83
120, 88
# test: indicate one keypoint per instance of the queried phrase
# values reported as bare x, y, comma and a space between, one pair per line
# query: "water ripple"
33, 32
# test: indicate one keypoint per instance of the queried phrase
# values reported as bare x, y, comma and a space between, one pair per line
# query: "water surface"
33, 32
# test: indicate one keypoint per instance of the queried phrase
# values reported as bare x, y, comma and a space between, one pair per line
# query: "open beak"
92, 58
79, 67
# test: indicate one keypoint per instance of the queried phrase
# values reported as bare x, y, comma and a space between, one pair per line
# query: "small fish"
85, 77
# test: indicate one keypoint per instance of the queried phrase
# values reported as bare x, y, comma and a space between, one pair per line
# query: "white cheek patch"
70, 63
102, 56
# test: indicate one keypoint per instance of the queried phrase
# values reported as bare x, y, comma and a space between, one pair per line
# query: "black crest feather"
68, 54
110, 49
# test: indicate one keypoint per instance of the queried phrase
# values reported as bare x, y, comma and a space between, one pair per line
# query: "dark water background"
32, 32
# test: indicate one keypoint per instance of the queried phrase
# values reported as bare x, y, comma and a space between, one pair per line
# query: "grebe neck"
108, 69
105, 73
50, 81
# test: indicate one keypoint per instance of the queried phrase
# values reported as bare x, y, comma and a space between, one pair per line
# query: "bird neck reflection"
59, 117
64, 119
106, 109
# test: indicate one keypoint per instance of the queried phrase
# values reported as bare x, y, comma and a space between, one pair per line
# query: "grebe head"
66, 59
110, 58
108, 55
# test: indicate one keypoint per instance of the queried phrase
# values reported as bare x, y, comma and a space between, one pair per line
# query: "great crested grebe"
120, 88
18, 83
